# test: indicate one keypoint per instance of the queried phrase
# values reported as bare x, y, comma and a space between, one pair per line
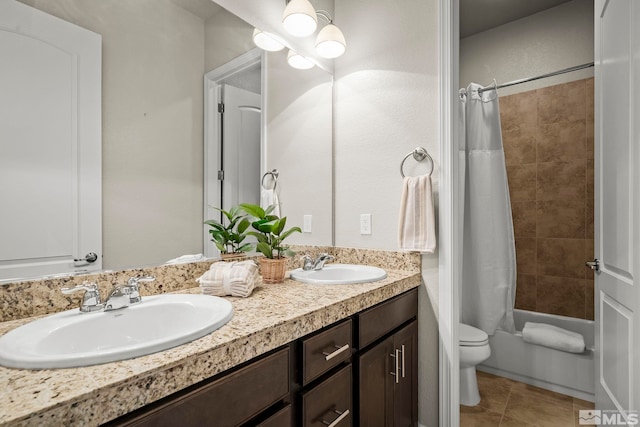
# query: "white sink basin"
72, 339
339, 274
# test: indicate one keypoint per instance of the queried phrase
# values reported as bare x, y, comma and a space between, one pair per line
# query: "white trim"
449, 226
212, 81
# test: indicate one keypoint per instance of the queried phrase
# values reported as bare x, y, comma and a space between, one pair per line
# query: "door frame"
450, 226
212, 130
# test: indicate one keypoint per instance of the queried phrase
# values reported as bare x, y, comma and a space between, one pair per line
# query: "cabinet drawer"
329, 403
326, 350
228, 401
383, 318
281, 418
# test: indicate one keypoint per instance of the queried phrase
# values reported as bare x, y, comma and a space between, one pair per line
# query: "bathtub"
567, 373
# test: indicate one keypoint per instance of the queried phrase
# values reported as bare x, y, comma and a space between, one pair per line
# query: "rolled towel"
230, 278
553, 337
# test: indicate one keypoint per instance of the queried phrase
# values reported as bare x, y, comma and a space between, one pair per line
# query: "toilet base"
469, 394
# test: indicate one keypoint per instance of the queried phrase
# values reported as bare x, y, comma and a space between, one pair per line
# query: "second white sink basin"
339, 274
72, 339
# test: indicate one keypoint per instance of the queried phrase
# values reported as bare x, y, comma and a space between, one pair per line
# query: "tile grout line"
504, 410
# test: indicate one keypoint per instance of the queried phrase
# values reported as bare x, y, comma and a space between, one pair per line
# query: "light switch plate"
306, 223
365, 223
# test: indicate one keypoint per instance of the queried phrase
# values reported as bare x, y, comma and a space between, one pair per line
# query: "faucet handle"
91, 300
307, 262
134, 284
134, 281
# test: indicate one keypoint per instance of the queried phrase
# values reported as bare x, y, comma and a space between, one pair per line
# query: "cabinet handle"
341, 416
402, 361
397, 367
328, 356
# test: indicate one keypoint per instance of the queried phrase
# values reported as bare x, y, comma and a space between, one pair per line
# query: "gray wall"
548, 41
386, 104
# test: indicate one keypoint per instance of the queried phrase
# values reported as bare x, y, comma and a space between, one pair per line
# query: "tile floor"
507, 403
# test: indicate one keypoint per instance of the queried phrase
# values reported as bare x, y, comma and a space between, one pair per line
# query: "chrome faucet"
316, 264
125, 295
91, 300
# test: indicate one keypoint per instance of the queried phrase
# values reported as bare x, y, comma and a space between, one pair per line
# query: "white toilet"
474, 349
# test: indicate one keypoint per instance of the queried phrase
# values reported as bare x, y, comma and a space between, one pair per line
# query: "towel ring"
274, 175
419, 154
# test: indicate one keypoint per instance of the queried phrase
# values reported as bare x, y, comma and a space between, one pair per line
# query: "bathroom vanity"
358, 371
267, 366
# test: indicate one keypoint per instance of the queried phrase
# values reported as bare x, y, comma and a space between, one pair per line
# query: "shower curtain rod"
530, 79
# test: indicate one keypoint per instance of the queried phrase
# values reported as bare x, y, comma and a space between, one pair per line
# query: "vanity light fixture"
266, 41
299, 18
330, 42
298, 61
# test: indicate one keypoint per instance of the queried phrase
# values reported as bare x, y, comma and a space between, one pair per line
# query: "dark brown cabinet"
359, 371
388, 368
376, 399
230, 400
325, 350
405, 386
330, 402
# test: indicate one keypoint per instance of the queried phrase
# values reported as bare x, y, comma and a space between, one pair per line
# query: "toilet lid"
472, 336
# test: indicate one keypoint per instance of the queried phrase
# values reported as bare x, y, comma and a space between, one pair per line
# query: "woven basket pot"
272, 270
236, 256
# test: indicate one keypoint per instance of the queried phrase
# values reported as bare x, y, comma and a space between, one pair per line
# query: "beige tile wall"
548, 143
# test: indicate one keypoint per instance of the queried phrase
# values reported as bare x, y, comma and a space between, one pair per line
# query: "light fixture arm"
325, 14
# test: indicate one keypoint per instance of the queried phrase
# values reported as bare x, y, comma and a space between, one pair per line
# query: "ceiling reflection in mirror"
154, 56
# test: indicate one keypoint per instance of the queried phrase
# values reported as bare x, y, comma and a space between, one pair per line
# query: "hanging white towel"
269, 197
417, 229
552, 336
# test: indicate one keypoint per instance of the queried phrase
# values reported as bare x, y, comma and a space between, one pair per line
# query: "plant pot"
273, 270
235, 256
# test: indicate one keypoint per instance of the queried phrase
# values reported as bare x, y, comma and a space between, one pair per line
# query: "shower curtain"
489, 257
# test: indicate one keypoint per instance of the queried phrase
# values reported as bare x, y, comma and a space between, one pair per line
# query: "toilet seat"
472, 337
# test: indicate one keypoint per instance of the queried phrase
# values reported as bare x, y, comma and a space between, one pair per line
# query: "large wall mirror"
155, 54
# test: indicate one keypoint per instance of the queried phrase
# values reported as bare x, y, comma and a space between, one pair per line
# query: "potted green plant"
228, 238
270, 233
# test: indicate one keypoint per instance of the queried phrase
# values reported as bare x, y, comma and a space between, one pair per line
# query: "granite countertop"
271, 317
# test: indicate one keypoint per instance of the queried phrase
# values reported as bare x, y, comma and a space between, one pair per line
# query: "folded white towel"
186, 258
552, 336
417, 229
269, 197
237, 279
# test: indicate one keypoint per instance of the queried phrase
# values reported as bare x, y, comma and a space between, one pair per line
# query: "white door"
240, 147
617, 205
50, 142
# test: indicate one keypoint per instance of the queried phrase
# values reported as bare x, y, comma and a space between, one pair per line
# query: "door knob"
88, 259
594, 265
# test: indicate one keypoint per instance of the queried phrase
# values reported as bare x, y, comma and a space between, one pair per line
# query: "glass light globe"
299, 18
266, 41
330, 42
298, 61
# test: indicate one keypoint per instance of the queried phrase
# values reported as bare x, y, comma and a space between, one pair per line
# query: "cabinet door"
376, 384
405, 399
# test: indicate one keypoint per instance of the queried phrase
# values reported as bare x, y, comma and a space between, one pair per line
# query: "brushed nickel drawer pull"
402, 361
397, 367
328, 356
341, 416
